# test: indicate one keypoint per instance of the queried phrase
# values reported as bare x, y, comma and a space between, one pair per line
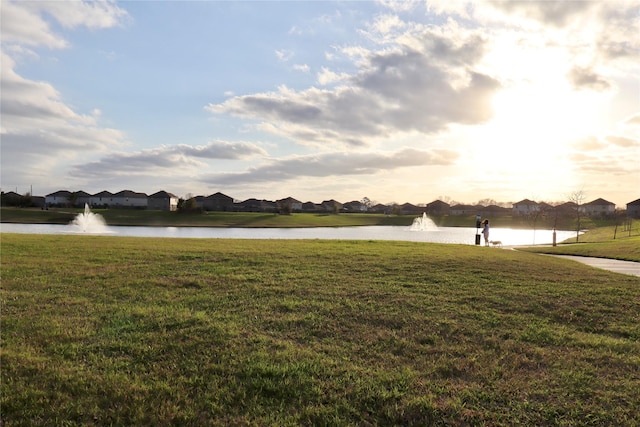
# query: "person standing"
485, 231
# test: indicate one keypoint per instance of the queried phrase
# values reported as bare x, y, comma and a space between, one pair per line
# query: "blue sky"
395, 101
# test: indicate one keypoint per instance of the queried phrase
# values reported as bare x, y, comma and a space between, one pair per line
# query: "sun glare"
541, 119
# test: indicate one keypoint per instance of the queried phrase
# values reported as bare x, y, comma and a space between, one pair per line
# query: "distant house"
11, 198
60, 198
255, 205
102, 199
310, 207
81, 198
216, 202
162, 201
464, 210
354, 206
289, 203
525, 207
544, 206
599, 208
438, 207
380, 208
633, 209
495, 211
130, 199
330, 206
566, 209
410, 209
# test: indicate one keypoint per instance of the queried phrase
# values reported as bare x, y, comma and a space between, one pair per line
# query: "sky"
395, 101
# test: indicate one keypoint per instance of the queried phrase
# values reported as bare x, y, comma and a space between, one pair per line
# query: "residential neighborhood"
166, 201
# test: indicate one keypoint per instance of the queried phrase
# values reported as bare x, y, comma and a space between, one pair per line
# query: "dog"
496, 243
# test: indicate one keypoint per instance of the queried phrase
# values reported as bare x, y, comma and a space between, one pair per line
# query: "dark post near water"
478, 219
555, 224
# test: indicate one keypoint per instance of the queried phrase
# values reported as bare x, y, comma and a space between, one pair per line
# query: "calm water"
458, 235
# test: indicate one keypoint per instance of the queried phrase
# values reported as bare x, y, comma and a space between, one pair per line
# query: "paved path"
618, 266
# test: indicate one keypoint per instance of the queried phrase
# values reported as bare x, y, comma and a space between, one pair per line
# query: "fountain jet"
89, 222
423, 223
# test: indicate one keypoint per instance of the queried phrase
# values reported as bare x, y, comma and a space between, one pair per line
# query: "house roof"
103, 194
288, 200
438, 202
379, 207
219, 195
495, 208
130, 194
162, 195
409, 206
600, 202
60, 193
634, 203
567, 205
525, 202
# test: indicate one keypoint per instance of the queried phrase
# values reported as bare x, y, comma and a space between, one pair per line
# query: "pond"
456, 235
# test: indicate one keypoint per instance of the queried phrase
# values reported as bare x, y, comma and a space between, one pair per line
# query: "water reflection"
457, 235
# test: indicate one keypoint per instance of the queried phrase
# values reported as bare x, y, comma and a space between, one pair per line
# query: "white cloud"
557, 13
34, 114
612, 154
634, 120
302, 67
91, 14
327, 77
401, 5
284, 55
397, 89
21, 25
333, 164
172, 160
583, 78
623, 141
24, 22
385, 24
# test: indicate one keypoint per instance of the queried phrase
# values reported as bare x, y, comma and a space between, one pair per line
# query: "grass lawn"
206, 219
102, 330
623, 249
145, 217
599, 243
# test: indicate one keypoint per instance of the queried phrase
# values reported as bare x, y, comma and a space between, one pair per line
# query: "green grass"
257, 219
101, 330
207, 219
623, 249
599, 242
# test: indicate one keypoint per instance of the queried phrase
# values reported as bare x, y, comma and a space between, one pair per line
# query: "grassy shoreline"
101, 330
625, 249
257, 219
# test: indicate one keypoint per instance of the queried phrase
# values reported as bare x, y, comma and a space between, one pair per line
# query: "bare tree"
448, 200
539, 213
486, 202
577, 197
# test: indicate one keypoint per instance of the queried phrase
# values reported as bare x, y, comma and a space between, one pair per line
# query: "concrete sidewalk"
617, 266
